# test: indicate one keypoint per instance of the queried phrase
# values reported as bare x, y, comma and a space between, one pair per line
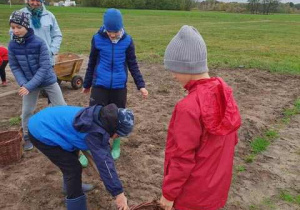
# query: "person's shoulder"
3, 49
47, 12
187, 104
128, 36
11, 44
24, 9
38, 39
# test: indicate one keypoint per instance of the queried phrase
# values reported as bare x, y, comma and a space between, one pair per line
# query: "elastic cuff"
114, 194
168, 198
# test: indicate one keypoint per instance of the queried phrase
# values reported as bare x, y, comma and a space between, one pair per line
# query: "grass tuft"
286, 196
14, 121
240, 168
250, 158
271, 134
259, 144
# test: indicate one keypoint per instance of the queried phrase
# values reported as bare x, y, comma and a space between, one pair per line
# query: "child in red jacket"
3, 63
202, 132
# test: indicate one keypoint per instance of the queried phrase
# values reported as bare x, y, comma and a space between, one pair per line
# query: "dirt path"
35, 183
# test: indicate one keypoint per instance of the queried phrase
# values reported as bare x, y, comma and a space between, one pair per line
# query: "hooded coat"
200, 146
3, 55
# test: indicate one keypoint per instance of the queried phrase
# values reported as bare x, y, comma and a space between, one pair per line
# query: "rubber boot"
83, 160
27, 144
77, 203
85, 187
116, 150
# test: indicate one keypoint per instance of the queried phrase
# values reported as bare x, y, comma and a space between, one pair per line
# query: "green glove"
83, 160
116, 150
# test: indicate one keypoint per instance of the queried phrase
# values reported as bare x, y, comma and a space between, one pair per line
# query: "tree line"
141, 4
253, 6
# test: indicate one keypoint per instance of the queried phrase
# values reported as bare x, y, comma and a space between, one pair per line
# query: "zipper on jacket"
27, 60
112, 65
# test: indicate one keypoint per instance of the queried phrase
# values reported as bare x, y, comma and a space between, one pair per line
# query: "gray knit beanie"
186, 53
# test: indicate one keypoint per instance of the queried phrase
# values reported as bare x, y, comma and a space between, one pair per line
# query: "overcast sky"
282, 1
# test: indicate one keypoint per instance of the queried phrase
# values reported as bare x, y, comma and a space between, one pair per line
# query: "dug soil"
34, 183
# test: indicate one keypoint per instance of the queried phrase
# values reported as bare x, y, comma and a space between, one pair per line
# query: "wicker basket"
10, 147
147, 206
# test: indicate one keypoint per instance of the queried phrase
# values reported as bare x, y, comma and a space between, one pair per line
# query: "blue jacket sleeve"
43, 70
134, 67
88, 79
100, 150
15, 67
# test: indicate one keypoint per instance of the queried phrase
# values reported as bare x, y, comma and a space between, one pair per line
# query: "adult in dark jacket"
30, 64
60, 132
112, 52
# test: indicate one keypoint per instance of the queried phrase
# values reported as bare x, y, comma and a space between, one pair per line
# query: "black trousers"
67, 162
2, 71
102, 96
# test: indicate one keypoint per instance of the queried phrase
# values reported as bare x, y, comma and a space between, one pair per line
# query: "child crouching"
60, 132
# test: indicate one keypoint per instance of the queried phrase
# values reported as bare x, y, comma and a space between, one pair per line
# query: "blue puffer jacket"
108, 63
76, 128
30, 62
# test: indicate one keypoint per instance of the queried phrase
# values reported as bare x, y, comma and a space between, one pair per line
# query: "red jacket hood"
219, 111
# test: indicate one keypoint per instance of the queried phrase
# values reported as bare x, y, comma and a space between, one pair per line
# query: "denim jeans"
30, 101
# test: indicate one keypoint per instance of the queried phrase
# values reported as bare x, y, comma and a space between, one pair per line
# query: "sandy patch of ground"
34, 183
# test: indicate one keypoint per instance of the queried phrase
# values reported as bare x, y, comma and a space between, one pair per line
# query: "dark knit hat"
186, 53
126, 122
20, 18
112, 20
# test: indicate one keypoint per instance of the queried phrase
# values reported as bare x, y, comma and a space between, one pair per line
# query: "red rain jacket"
200, 145
3, 55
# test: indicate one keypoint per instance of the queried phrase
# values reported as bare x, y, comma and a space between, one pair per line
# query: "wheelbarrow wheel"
77, 82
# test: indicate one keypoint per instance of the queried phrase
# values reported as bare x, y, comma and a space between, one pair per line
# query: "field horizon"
267, 42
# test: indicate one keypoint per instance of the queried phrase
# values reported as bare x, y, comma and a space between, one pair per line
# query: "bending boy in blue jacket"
112, 52
29, 61
60, 132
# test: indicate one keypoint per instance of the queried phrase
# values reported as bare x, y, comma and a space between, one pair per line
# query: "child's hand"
166, 204
121, 202
23, 91
144, 92
86, 90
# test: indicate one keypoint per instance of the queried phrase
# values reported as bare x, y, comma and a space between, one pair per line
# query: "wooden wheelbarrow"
67, 67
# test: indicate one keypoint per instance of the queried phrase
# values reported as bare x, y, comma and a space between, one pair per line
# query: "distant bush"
253, 6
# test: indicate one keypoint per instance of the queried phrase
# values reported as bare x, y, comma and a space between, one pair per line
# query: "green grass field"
270, 42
